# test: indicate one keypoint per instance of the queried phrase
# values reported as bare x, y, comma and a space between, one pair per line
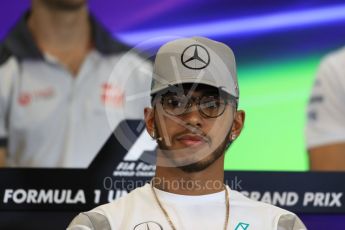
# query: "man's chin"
184, 157
195, 167
197, 161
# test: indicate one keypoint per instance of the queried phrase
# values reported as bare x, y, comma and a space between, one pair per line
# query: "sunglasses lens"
212, 106
175, 105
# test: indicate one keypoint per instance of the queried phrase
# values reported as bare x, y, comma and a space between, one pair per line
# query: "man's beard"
201, 164
206, 162
65, 5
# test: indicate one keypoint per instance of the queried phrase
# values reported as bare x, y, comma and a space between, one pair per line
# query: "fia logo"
136, 162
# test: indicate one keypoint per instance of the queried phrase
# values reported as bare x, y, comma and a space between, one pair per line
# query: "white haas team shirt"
139, 211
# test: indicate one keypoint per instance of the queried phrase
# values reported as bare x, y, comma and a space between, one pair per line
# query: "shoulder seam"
93, 227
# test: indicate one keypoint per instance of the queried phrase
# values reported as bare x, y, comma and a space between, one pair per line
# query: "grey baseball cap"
195, 60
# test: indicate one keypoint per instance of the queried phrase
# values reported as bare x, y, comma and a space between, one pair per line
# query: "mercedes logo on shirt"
195, 57
148, 225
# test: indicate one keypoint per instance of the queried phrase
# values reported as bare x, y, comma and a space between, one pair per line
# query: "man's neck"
63, 34
175, 180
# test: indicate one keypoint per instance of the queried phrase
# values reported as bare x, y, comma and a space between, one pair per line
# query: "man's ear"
237, 125
149, 120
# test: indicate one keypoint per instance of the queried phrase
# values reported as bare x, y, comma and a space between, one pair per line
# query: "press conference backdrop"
278, 45
37, 198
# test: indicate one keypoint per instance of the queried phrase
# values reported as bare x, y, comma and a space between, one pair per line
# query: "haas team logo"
24, 99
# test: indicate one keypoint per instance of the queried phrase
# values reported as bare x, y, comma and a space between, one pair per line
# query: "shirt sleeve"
7, 70
290, 222
89, 221
326, 108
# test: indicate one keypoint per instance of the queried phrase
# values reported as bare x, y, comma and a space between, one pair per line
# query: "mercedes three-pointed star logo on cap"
195, 57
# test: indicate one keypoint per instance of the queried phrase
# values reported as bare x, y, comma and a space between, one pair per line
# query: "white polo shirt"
326, 108
49, 118
139, 211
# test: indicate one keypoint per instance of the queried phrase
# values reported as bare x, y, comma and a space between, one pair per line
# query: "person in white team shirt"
61, 72
325, 127
194, 119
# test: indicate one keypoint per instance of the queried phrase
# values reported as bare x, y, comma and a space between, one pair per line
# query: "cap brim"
187, 80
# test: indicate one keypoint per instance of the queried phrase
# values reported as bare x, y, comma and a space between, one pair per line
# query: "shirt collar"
20, 43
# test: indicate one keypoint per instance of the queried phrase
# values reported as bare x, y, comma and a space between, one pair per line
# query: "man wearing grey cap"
194, 119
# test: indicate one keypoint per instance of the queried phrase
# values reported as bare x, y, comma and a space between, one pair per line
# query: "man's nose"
193, 116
